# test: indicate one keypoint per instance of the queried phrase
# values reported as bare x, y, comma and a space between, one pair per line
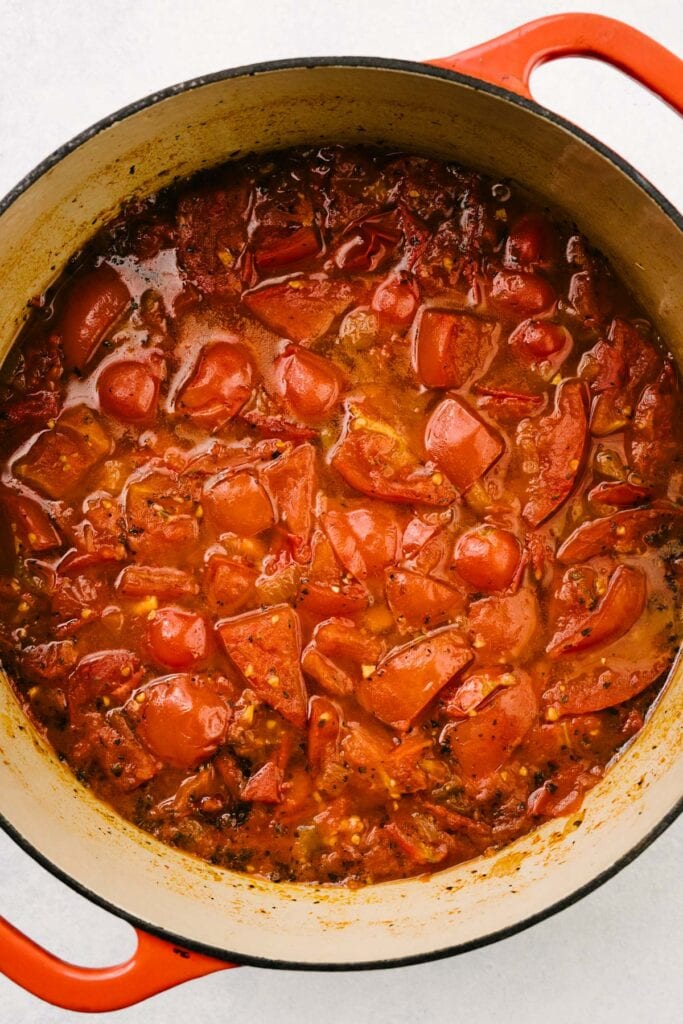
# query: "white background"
617, 955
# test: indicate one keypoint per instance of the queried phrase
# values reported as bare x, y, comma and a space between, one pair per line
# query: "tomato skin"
450, 347
409, 677
621, 606
182, 721
619, 493
487, 557
96, 302
219, 385
365, 539
129, 391
461, 443
309, 384
238, 503
519, 293
177, 638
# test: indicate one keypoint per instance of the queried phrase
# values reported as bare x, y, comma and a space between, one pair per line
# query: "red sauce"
341, 514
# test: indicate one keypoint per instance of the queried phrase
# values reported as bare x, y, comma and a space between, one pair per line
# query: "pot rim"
311, 63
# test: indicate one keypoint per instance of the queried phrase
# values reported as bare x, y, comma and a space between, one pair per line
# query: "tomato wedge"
419, 601
619, 492
219, 385
461, 443
238, 503
452, 347
604, 686
61, 458
396, 300
375, 459
621, 606
96, 302
229, 584
301, 309
483, 743
291, 480
365, 540
309, 384
504, 628
281, 250
266, 648
129, 391
30, 524
409, 677
556, 445
182, 720
487, 557
654, 437
521, 293
628, 531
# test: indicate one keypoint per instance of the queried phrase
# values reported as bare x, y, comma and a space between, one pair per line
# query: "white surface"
615, 956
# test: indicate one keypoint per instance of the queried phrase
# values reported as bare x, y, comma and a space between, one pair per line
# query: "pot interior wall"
52, 218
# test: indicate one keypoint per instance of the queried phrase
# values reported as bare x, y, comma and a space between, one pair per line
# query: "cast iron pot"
193, 918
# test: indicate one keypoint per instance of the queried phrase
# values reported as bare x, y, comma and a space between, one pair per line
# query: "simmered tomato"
343, 543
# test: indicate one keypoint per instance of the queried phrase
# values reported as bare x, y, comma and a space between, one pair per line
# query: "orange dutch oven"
191, 917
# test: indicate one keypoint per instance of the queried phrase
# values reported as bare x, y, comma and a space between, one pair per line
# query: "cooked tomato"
181, 720
461, 443
487, 558
219, 386
239, 504
386, 474
177, 638
96, 301
451, 347
309, 384
129, 391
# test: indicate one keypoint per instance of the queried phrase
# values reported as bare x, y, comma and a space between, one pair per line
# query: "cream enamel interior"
54, 217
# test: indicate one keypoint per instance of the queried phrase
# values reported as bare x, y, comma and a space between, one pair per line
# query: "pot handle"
509, 60
155, 966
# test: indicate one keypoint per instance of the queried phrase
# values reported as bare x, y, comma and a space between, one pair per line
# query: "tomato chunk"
365, 539
266, 648
595, 687
229, 584
419, 601
177, 638
105, 674
291, 480
396, 300
541, 343
618, 492
405, 682
556, 446
129, 391
285, 249
301, 309
96, 302
60, 459
504, 628
487, 557
157, 580
450, 348
238, 503
616, 369
531, 241
654, 438
521, 293
324, 727
219, 386
622, 604
30, 524
309, 384
182, 720
375, 459
625, 532
461, 443
482, 744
